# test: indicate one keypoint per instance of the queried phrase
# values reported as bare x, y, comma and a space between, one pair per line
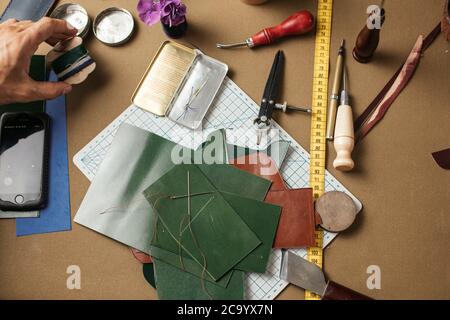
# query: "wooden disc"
62, 48
337, 211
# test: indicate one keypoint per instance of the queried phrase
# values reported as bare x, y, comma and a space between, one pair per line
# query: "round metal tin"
76, 15
113, 26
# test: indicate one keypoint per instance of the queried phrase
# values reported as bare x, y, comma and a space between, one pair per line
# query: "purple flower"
150, 10
170, 12
173, 13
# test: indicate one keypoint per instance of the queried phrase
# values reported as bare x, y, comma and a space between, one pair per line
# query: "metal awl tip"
233, 45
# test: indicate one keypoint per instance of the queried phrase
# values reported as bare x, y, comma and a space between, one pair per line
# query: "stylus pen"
334, 98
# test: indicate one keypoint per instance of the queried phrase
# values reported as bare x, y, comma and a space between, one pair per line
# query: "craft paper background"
56, 216
394, 240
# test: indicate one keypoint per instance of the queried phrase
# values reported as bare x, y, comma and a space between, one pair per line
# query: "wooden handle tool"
344, 135
369, 38
334, 98
299, 23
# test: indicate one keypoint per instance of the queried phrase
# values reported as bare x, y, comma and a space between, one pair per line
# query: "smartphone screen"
21, 159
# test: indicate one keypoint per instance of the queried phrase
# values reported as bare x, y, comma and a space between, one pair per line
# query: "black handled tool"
270, 97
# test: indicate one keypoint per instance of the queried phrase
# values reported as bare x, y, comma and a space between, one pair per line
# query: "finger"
9, 22
24, 22
47, 28
47, 90
58, 38
23, 25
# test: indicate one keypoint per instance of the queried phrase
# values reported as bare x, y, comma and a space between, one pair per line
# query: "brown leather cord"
445, 23
363, 118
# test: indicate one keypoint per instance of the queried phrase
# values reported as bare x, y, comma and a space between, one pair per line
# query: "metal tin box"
180, 83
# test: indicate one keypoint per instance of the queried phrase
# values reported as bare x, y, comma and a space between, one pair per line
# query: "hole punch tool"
268, 103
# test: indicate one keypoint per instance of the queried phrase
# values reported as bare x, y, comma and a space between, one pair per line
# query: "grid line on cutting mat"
231, 109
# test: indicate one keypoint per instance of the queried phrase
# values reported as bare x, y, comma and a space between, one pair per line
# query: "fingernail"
71, 27
67, 90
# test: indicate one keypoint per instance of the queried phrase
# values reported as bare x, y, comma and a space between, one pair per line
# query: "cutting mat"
234, 111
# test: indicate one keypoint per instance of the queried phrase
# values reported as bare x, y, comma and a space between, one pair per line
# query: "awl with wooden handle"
307, 275
334, 98
344, 133
299, 23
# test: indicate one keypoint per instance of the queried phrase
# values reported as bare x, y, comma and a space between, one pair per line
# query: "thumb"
49, 90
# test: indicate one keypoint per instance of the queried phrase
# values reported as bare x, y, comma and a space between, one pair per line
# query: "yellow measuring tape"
319, 120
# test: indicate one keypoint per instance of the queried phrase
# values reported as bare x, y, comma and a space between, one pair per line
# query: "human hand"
18, 42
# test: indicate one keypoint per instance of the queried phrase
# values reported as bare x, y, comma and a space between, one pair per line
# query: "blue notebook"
56, 217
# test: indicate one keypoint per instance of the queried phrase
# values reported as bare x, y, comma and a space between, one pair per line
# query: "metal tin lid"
76, 15
114, 26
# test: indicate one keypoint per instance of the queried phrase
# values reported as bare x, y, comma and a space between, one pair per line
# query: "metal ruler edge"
319, 120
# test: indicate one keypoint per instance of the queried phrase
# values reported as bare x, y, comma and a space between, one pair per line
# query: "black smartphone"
24, 151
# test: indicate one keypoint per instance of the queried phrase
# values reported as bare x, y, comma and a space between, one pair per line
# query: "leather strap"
445, 23
362, 119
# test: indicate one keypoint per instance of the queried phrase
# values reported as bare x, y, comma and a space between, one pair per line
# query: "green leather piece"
277, 151
214, 149
263, 219
149, 273
175, 284
188, 265
114, 205
218, 238
230, 179
260, 217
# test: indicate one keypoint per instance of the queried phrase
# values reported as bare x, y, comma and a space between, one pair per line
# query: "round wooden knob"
337, 211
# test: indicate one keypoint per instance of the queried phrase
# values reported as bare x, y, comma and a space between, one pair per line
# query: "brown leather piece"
335, 291
297, 222
445, 23
296, 227
262, 165
141, 256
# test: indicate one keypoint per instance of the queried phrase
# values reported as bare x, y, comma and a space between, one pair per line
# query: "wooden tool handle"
299, 23
344, 139
335, 291
367, 41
